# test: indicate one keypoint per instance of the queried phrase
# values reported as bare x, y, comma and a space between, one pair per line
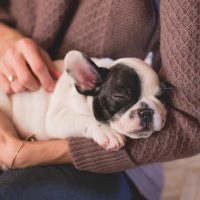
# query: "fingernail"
51, 87
57, 73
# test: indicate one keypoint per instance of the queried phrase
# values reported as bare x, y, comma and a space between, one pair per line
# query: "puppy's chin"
138, 134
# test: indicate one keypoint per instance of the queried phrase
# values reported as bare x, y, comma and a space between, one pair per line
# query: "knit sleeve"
5, 15
181, 67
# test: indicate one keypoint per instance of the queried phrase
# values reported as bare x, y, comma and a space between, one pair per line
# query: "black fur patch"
120, 91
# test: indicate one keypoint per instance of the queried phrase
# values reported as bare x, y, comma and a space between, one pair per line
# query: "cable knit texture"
117, 28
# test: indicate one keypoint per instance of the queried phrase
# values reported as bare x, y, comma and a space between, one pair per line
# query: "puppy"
104, 103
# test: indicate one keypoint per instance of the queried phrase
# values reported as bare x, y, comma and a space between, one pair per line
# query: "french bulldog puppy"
92, 100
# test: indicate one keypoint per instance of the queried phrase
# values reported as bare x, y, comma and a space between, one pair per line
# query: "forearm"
43, 153
180, 138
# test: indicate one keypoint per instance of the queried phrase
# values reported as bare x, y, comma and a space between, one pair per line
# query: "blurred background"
182, 179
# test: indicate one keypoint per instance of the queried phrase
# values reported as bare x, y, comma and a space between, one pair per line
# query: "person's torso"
108, 28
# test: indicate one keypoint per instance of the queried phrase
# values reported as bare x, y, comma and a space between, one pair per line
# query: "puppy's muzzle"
146, 117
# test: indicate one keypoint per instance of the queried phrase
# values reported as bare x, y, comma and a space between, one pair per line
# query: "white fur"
149, 58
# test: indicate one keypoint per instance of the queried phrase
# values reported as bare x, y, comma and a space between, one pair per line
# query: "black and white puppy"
92, 100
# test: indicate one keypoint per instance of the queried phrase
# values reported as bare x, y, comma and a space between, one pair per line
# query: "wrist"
8, 145
29, 138
43, 153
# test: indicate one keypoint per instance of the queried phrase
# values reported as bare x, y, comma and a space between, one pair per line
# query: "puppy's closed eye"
120, 97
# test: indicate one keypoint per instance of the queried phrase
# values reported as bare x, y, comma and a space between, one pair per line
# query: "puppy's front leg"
66, 124
106, 137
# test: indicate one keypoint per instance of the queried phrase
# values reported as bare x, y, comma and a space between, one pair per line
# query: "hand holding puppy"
24, 65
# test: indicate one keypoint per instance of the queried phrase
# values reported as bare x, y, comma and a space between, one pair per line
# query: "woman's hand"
32, 153
28, 63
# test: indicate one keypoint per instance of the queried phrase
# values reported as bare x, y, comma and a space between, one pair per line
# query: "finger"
5, 85
17, 87
51, 66
6, 70
37, 64
24, 74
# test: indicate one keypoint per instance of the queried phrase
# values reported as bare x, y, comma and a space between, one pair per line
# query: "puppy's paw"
106, 137
117, 141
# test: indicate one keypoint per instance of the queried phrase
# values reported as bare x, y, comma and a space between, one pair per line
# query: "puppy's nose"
146, 116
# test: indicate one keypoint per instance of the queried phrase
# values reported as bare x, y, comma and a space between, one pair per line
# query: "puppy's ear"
87, 75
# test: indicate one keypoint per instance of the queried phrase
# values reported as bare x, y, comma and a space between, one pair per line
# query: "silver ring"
11, 78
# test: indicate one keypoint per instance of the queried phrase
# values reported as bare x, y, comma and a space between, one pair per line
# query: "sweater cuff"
89, 156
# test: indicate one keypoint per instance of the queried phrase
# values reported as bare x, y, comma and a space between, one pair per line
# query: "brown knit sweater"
117, 29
